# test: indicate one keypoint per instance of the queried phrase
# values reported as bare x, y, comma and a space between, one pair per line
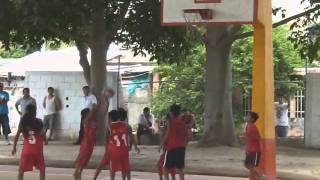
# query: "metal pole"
305, 99
118, 81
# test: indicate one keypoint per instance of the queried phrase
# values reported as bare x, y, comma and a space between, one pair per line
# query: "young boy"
87, 143
119, 145
176, 141
253, 152
171, 171
123, 116
32, 151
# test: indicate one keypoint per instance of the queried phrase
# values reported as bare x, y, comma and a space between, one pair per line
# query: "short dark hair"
85, 87
26, 89
113, 115
50, 88
254, 116
146, 109
175, 110
123, 115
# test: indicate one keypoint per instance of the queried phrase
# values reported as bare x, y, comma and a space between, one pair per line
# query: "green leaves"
182, 84
286, 58
305, 33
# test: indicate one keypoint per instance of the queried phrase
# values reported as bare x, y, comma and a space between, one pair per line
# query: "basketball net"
195, 19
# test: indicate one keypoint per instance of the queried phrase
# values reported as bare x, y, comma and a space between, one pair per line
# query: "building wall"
68, 86
312, 122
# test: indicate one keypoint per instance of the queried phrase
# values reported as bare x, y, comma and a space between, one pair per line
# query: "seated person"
145, 123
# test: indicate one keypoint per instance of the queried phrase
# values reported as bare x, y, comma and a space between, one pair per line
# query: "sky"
292, 7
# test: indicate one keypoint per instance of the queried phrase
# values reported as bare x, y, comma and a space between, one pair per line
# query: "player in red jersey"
176, 139
119, 146
160, 163
87, 143
253, 151
104, 162
32, 151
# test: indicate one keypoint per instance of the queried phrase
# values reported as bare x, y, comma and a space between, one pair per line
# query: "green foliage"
133, 23
306, 32
182, 84
286, 58
14, 52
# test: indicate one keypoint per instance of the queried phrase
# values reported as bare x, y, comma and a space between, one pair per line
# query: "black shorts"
252, 159
175, 158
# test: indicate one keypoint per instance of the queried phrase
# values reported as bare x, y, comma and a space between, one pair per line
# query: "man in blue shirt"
4, 111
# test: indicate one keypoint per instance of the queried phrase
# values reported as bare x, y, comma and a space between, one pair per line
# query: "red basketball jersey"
118, 139
33, 143
177, 134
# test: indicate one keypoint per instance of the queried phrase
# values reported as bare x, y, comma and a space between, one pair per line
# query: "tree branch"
64, 34
83, 51
119, 22
85, 22
280, 23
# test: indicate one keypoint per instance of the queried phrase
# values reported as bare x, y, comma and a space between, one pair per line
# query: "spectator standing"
282, 119
4, 111
23, 102
51, 104
88, 101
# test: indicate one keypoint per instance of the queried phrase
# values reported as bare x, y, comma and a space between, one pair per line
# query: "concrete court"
10, 173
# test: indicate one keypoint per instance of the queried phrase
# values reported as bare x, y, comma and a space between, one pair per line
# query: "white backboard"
224, 11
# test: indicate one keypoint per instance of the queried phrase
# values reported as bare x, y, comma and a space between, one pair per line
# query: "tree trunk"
218, 122
97, 84
98, 72
83, 52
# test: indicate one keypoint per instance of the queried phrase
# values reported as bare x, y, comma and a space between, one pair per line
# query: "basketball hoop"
194, 18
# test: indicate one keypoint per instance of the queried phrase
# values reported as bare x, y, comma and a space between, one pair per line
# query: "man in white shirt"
88, 101
282, 119
145, 123
51, 104
25, 101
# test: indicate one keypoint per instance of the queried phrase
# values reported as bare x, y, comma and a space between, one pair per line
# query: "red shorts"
119, 161
28, 161
84, 154
171, 171
105, 160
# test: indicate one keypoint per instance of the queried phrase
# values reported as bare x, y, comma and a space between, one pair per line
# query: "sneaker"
262, 177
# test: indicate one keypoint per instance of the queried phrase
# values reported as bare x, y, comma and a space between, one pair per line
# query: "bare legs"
77, 173
20, 175
123, 174
98, 170
42, 175
180, 173
166, 174
255, 174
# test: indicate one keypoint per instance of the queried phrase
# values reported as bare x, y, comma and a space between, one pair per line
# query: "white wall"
68, 86
312, 120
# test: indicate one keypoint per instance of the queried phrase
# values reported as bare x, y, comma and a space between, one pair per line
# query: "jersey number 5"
31, 139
